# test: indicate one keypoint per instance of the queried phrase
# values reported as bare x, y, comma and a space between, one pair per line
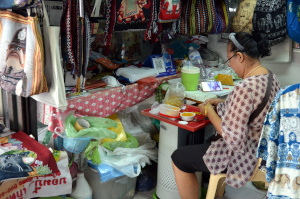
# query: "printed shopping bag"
53, 67
18, 4
21, 55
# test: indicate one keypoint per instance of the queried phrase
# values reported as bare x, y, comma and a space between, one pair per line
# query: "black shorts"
190, 158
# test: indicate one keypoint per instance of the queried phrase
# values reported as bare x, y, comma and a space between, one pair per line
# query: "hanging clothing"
75, 36
279, 144
236, 150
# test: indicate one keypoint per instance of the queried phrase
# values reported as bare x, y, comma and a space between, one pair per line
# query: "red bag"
169, 11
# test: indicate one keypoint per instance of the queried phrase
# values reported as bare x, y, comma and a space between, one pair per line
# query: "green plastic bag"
98, 127
130, 143
91, 152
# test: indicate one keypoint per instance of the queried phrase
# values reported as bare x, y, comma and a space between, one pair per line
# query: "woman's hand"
204, 106
214, 101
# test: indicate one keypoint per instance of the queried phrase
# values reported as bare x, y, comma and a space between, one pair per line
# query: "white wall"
287, 72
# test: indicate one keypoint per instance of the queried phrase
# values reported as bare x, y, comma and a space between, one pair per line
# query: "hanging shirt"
236, 150
279, 144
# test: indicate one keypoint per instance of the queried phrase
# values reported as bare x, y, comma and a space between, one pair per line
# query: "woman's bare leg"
187, 183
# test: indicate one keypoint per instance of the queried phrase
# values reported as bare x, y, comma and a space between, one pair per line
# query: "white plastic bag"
134, 73
129, 161
111, 81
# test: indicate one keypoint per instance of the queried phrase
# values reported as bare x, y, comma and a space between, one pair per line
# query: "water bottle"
196, 60
164, 52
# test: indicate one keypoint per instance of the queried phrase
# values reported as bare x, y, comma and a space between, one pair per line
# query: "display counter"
100, 103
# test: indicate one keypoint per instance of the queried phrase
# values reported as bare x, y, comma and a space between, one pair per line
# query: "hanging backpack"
269, 19
293, 21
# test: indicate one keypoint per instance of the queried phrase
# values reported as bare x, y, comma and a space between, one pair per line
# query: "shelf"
296, 50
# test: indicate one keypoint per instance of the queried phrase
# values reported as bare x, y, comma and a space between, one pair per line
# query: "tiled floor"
247, 192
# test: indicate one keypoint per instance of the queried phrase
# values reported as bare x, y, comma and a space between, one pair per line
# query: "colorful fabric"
159, 94
203, 16
222, 16
22, 55
22, 156
59, 183
279, 144
169, 11
237, 148
269, 19
125, 15
20, 4
66, 35
152, 30
75, 36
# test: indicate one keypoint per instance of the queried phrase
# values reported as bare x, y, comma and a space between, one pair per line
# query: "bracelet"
205, 113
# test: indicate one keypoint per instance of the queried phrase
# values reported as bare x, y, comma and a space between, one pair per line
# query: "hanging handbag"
56, 97
169, 11
293, 20
20, 4
203, 16
21, 55
242, 20
265, 17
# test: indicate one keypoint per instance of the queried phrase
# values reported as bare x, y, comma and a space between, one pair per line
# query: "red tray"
173, 117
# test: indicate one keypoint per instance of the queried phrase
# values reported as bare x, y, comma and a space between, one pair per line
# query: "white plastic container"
82, 189
169, 110
187, 116
122, 187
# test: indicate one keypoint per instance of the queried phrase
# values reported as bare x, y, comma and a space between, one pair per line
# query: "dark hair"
255, 45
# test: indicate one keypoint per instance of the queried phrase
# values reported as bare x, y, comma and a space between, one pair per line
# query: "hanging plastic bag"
175, 95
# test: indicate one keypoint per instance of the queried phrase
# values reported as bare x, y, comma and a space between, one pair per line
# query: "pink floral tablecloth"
102, 103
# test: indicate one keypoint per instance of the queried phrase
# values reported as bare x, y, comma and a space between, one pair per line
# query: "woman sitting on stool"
235, 152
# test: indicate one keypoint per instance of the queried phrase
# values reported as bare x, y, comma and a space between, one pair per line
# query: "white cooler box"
122, 187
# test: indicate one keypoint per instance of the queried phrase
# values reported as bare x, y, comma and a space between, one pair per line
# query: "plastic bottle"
82, 189
196, 60
164, 52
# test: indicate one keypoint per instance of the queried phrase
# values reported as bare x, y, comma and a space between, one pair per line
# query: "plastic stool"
216, 186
